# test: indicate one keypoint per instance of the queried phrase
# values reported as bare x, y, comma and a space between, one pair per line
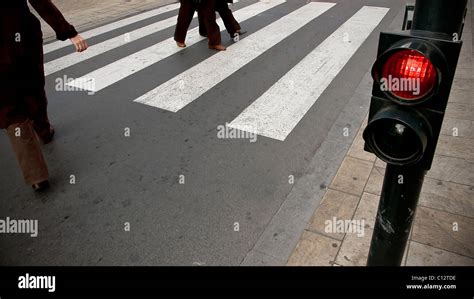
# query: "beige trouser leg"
28, 152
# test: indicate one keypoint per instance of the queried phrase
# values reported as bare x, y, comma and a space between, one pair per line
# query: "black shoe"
239, 33
41, 186
48, 137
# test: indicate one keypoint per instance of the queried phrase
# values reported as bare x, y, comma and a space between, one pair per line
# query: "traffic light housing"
413, 75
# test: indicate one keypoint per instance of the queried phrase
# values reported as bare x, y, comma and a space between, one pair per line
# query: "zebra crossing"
271, 116
129, 65
277, 112
174, 95
112, 26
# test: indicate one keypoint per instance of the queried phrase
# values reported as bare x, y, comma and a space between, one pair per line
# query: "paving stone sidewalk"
87, 14
443, 230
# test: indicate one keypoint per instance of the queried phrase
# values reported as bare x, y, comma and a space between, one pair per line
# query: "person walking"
230, 23
207, 15
23, 102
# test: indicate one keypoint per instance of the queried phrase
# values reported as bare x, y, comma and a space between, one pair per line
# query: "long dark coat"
21, 57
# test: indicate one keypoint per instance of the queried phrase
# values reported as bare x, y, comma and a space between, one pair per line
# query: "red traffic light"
408, 75
405, 123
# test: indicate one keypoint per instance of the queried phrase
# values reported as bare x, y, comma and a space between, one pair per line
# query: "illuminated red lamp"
413, 74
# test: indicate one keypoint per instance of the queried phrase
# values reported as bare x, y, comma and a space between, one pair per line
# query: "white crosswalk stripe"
129, 65
176, 94
112, 26
75, 58
276, 113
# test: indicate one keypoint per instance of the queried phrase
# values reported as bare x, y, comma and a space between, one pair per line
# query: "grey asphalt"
136, 179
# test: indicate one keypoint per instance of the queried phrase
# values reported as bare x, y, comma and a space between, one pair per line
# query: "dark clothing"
207, 15
21, 60
185, 17
230, 23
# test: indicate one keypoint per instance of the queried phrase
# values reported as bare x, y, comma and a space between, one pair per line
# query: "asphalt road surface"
168, 156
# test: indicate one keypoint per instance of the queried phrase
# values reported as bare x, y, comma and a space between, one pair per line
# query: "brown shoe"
181, 45
218, 48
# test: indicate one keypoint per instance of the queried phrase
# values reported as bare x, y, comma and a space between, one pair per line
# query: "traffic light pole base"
398, 201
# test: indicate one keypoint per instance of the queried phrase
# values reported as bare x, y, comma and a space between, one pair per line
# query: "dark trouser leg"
40, 118
202, 25
207, 9
34, 95
28, 152
227, 17
185, 17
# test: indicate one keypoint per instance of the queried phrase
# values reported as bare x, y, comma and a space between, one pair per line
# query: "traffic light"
413, 75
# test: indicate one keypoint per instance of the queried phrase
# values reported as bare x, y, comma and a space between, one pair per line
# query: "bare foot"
218, 48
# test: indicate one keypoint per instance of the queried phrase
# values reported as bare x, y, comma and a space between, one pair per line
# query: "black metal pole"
398, 201
439, 16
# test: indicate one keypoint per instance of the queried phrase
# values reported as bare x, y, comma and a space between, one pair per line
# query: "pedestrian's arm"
51, 14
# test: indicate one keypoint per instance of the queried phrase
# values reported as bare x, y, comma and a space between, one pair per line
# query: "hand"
80, 43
